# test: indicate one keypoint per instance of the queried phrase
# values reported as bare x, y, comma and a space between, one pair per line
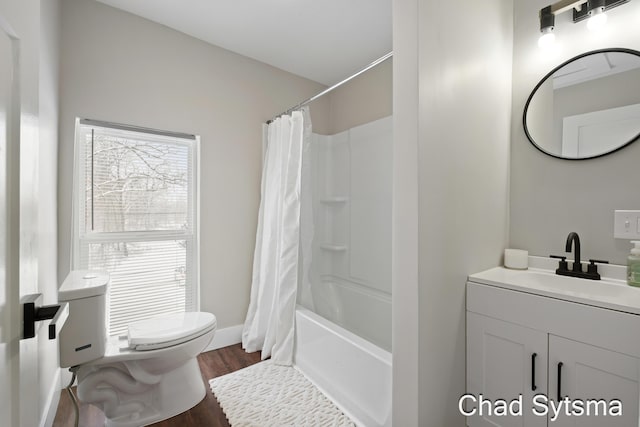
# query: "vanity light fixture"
597, 17
547, 23
594, 10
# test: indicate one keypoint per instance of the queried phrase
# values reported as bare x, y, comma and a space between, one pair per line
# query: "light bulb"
597, 20
547, 38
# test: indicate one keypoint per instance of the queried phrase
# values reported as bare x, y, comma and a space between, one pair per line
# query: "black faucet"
575, 239
576, 271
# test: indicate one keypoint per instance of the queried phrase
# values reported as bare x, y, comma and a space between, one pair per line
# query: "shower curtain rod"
335, 86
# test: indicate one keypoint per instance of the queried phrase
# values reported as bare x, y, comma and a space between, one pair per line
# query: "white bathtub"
354, 373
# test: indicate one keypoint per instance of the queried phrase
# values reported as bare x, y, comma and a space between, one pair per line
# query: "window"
135, 216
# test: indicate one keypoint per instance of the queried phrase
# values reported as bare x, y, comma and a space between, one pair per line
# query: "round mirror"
586, 107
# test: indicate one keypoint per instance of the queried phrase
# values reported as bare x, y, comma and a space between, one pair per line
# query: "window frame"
80, 237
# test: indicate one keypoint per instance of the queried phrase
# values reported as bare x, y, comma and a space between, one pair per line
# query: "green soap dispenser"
633, 265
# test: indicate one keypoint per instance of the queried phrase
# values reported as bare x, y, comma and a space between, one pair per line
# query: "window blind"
136, 218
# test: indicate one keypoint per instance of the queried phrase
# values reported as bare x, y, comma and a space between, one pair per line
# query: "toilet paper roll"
516, 259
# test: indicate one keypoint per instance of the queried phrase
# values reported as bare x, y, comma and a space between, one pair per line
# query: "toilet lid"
173, 329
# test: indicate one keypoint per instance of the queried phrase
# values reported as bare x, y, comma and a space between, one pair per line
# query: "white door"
597, 132
19, 387
9, 295
505, 361
589, 372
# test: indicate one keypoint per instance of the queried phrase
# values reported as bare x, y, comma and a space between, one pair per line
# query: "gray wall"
122, 68
361, 100
461, 137
539, 115
594, 95
549, 197
364, 99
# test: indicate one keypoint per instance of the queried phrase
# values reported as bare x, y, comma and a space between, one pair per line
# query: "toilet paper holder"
32, 312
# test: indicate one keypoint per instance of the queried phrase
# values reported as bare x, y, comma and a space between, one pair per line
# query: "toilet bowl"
146, 376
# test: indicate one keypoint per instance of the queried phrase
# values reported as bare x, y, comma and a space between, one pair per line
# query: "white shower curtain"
270, 319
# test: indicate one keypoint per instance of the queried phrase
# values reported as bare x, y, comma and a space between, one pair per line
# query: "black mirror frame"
549, 74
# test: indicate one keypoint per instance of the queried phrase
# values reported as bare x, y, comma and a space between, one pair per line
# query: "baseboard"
51, 406
225, 337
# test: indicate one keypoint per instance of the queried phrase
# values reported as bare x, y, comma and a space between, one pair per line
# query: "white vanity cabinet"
518, 338
589, 371
505, 360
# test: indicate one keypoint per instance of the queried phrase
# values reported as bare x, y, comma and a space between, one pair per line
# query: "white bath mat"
269, 395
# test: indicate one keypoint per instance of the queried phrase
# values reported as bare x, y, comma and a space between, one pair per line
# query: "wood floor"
206, 413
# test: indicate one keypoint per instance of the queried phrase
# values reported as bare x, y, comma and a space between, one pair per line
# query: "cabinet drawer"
597, 326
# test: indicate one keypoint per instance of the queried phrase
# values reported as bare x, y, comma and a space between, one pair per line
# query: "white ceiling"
322, 40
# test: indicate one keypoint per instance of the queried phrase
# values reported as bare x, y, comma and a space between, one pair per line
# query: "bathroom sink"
607, 293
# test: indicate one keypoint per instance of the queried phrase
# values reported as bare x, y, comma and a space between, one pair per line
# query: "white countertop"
608, 293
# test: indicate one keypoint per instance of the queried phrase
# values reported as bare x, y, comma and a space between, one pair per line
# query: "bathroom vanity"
533, 333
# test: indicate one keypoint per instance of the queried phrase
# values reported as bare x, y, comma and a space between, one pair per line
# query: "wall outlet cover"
626, 225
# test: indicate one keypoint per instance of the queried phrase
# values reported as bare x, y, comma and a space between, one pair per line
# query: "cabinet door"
590, 372
501, 364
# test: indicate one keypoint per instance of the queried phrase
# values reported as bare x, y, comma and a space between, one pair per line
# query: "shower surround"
343, 320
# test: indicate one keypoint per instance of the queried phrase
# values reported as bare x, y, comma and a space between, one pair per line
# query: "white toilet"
148, 376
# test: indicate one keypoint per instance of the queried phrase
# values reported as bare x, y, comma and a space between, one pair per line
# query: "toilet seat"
169, 330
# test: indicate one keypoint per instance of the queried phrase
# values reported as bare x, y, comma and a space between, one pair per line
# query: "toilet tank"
83, 337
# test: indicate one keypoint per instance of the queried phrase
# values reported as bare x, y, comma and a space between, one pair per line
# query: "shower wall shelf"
334, 248
334, 200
